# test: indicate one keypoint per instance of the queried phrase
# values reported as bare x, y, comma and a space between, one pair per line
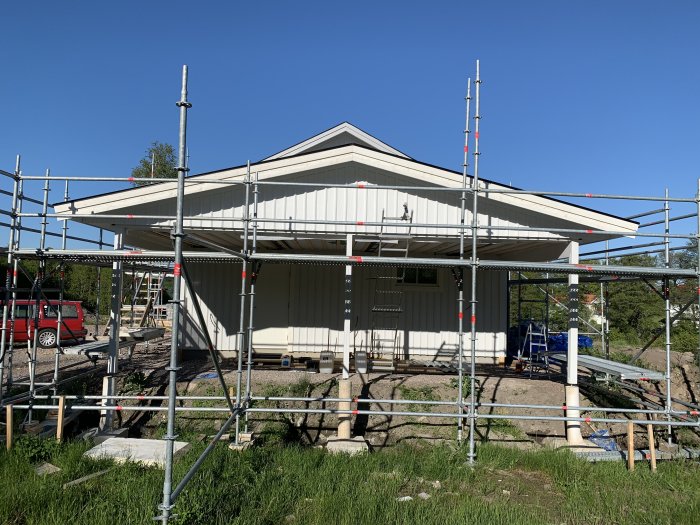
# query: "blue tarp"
560, 342
603, 440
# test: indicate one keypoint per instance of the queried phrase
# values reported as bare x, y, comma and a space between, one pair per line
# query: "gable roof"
427, 174
341, 135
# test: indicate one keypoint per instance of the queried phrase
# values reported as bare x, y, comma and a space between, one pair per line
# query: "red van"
72, 329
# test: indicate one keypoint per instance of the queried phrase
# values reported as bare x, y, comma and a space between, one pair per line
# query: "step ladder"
388, 301
534, 349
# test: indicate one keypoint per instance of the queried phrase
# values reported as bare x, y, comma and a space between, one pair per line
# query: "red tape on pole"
355, 412
473, 319
243, 274
177, 270
355, 258
460, 315
129, 216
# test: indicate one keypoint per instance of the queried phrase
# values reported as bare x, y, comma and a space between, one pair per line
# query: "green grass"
291, 484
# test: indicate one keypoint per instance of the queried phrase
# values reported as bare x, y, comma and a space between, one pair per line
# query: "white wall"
299, 308
351, 204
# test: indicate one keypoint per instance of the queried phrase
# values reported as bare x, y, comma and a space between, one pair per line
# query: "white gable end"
340, 135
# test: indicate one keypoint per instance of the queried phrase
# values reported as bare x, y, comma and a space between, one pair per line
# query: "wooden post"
9, 426
61, 415
231, 392
652, 448
630, 446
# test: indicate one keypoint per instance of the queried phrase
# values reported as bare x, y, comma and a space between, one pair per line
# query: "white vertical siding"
299, 308
352, 204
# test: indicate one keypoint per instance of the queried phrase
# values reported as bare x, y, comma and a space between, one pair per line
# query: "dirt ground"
145, 373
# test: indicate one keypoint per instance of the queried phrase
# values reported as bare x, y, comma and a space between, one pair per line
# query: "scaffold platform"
613, 368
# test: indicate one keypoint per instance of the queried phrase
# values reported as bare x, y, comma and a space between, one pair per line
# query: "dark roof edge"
261, 162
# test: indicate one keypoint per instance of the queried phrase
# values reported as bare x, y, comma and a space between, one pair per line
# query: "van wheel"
47, 338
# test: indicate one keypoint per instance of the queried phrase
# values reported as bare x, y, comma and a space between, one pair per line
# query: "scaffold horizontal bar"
371, 224
362, 185
397, 262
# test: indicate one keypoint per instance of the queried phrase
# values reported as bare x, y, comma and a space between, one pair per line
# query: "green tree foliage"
684, 337
635, 311
164, 167
532, 300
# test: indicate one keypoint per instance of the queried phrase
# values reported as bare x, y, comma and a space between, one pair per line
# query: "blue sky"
589, 96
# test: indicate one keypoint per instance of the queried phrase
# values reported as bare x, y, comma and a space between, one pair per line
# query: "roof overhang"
422, 175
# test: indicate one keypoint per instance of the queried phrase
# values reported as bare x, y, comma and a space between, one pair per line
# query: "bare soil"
496, 384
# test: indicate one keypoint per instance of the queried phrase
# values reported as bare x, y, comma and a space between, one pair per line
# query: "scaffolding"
466, 409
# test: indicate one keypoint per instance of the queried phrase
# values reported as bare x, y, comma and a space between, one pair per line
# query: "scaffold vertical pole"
8, 307
604, 307
115, 304
241, 346
167, 505
33, 343
15, 278
98, 292
61, 292
697, 269
472, 302
667, 315
460, 274
251, 310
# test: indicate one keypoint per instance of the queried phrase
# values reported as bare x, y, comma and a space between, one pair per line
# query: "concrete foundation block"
352, 446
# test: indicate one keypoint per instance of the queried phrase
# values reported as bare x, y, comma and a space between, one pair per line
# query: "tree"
635, 312
159, 162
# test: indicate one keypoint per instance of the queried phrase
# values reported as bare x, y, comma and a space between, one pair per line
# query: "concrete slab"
352, 446
146, 451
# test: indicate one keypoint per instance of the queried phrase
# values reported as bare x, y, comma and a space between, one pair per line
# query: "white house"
300, 307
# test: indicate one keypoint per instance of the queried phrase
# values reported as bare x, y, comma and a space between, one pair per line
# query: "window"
22, 311
67, 310
425, 276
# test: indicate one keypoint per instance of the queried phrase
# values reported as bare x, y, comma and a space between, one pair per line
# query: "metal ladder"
388, 302
142, 305
536, 344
